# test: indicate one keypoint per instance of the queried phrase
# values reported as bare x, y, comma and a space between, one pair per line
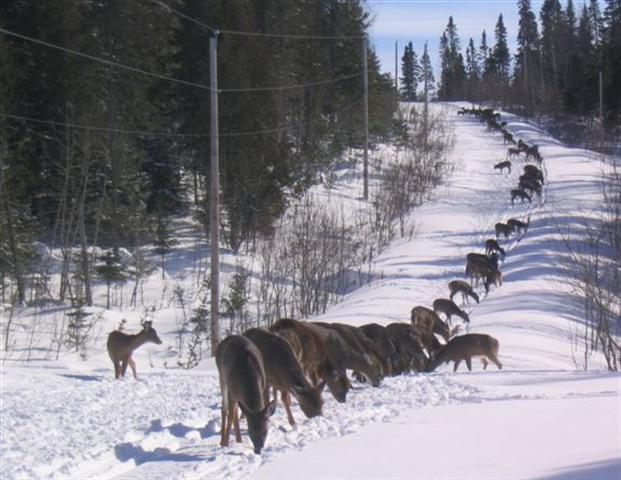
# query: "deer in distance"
429, 320
492, 246
284, 373
500, 166
465, 347
518, 225
503, 229
242, 382
448, 308
460, 286
521, 194
533, 172
121, 346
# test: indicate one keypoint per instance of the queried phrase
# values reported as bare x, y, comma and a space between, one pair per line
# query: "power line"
103, 60
256, 34
172, 79
147, 133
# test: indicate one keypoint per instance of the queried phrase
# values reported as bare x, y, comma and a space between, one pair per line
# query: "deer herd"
301, 358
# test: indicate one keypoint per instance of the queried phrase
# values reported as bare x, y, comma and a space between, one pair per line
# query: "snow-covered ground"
537, 418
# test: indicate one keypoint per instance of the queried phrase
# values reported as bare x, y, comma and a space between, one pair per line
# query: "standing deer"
384, 345
242, 382
464, 348
122, 345
521, 194
492, 246
284, 373
503, 229
518, 225
534, 172
501, 165
459, 286
448, 308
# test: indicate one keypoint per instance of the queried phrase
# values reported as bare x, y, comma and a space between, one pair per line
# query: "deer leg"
238, 438
224, 437
286, 400
132, 364
123, 367
484, 362
117, 369
494, 359
457, 362
469, 363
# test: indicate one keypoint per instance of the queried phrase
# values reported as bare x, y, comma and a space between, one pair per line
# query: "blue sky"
421, 21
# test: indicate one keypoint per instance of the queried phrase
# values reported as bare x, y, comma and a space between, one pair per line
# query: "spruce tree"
611, 59
410, 70
453, 74
527, 74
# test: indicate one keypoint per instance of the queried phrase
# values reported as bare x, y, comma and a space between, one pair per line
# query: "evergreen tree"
453, 74
426, 77
611, 59
553, 28
595, 17
410, 70
527, 74
500, 54
473, 73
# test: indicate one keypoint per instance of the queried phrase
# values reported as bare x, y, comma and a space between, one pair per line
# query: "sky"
421, 21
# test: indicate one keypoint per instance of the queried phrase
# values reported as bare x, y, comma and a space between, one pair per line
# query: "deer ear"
270, 409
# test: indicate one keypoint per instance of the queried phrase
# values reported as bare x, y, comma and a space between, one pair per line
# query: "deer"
284, 373
384, 345
459, 286
533, 172
409, 350
448, 308
507, 137
500, 166
344, 356
121, 346
465, 347
481, 270
518, 225
513, 152
492, 246
530, 184
357, 341
316, 360
429, 320
503, 229
489, 260
243, 382
521, 194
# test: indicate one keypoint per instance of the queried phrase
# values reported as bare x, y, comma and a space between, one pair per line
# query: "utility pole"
426, 109
601, 97
365, 85
214, 195
396, 75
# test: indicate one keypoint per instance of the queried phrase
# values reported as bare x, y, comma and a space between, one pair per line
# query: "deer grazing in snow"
521, 194
465, 347
492, 246
459, 286
518, 225
383, 344
284, 373
533, 172
409, 347
121, 346
243, 382
503, 229
448, 308
500, 166
428, 319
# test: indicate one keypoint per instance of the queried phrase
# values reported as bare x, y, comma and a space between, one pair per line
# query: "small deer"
507, 137
492, 246
122, 345
448, 308
489, 260
480, 270
459, 286
500, 166
513, 152
521, 194
533, 172
503, 229
518, 225
243, 383
465, 347
429, 320
284, 373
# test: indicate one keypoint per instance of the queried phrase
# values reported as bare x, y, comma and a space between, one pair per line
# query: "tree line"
94, 154
556, 67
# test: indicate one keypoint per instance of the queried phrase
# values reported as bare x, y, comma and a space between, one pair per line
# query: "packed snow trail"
60, 422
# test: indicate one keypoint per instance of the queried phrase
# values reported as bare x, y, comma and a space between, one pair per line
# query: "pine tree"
595, 17
410, 70
552, 50
453, 74
611, 59
527, 74
426, 77
501, 52
473, 73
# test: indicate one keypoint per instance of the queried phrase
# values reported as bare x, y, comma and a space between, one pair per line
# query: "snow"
537, 418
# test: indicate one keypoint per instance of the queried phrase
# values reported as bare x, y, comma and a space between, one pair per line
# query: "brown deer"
530, 185
534, 172
518, 225
492, 246
459, 286
284, 373
500, 166
464, 348
122, 345
521, 194
383, 344
358, 342
448, 308
409, 351
316, 360
242, 382
503, 229
513, 152
480, 270
429, 320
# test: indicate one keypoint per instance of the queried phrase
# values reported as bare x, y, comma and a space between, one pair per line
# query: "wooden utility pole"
396, 75
214, 195
601, 97
365, 85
